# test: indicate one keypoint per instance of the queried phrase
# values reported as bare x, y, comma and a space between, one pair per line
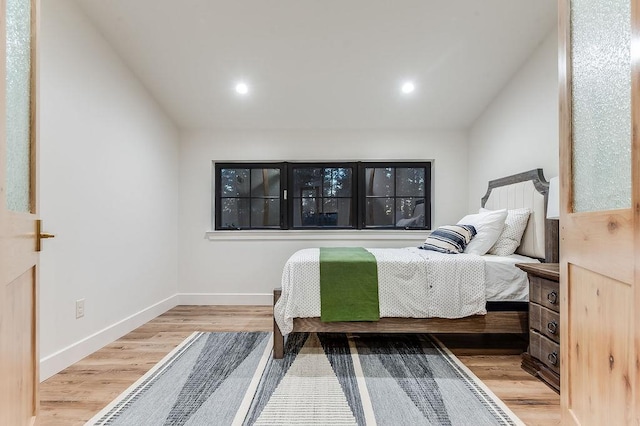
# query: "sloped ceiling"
323, 64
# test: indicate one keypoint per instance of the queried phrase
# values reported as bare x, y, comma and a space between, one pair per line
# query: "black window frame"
218, 193
353, 213
358, 191
362, 196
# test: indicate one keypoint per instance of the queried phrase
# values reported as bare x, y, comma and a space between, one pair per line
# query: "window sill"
309, 235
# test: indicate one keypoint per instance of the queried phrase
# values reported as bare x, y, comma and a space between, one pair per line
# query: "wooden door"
599, 229
19, 358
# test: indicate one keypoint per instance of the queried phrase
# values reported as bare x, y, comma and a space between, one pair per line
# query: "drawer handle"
552, 327
553, 358
552, 297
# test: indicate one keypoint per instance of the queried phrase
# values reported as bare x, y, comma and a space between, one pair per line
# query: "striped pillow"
449, 238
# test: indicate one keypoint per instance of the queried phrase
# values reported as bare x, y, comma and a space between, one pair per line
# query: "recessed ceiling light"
408, 87
242, 88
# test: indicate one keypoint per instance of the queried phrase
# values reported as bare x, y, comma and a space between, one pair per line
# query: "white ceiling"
323, 64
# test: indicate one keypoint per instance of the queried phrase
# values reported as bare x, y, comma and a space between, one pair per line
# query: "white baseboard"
58, 361
225, 299
62, 359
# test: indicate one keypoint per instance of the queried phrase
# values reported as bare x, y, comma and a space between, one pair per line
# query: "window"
396, 195
356, 195
322, 195
249, 196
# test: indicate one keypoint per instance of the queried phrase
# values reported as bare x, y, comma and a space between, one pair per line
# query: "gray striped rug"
324, 379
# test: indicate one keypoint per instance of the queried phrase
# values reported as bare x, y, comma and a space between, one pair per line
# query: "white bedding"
411, 283
505, 282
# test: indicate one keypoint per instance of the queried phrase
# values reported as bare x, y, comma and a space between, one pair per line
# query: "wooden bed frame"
510, 321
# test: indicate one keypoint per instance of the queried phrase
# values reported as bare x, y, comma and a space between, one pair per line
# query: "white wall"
108, 190
254, 267
519, 130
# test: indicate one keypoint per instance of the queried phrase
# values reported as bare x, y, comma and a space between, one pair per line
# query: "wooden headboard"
528, 189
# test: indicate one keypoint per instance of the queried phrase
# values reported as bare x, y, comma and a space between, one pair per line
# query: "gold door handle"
41, 235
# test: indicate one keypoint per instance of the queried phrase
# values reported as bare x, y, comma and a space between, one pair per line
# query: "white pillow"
514, 226
488, 226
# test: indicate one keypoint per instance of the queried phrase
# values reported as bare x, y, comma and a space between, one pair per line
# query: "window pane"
337, 212
409, 212
18, 96
410, 181
379, 212
309, 193
603, 108
379, 182
306, 212
307, 179
265, 212
337, 182
235, 213
234, 182
265, 182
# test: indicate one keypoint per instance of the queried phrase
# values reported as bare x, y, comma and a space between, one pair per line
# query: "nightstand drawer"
545, 350
545, 321
544, 292
543, 357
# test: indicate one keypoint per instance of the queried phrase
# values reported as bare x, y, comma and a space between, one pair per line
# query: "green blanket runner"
348, 285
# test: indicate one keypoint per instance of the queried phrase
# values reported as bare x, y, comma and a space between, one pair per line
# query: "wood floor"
74, 395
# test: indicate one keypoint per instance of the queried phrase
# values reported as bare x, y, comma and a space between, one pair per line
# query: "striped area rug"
324, 379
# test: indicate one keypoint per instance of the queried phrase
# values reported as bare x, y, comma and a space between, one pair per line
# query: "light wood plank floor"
74, 395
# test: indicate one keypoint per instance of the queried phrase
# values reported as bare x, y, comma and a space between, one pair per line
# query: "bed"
499, 305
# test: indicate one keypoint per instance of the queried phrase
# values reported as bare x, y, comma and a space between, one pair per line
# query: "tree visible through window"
395, 196
354, 195
249, 197
323, 196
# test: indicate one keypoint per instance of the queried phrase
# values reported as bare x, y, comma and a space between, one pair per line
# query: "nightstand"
542, 359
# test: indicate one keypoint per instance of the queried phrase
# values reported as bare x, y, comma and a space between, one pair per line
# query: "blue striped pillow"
449, 238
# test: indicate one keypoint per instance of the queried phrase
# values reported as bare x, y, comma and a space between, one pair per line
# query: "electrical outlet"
79, 308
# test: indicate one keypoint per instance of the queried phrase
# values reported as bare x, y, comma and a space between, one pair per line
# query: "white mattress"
505, 282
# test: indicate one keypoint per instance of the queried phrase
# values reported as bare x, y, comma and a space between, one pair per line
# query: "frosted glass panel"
18, 99
600, 45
